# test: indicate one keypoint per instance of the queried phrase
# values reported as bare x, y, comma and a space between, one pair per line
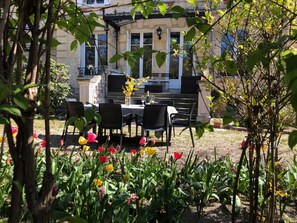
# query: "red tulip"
133, 151
43, 144
112, 150
101, 149
103, 159
177, 155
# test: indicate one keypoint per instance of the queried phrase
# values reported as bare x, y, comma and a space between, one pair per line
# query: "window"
187, 59
90, 56
147, 58
230, 42
135, 45
102, 49
180, 63
95, 1
142, 67
174, 59
95, 54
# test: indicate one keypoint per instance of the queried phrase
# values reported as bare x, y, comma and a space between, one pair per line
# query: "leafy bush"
59, 87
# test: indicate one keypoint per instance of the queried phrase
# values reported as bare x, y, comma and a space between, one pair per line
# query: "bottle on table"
147, 98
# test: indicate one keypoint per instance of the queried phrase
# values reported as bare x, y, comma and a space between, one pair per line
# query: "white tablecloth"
137, 109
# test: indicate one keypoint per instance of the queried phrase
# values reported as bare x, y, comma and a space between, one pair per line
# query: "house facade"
123, 33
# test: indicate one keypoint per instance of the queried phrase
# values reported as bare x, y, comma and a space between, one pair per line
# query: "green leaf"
231, 67
74, 45
10, 109
115, 58
177, 8
80, 123
32, 85
254, 58
160, 57
162, 7
21, 101
199, 132
203, 27
70, 121
89, 114
3, 120
291, 71
191, 21
55, 42
131, 62
97, 118
190, 34
140, 51
230, 2
294, 101
292, 140
4, 91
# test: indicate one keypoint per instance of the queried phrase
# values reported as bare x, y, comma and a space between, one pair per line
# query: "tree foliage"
26, 39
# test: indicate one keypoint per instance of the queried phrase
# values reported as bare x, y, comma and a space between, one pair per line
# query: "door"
179, 61
142, 67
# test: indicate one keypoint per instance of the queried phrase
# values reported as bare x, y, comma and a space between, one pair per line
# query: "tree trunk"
16, 194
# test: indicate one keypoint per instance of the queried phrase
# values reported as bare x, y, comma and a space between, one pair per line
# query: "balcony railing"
85, 71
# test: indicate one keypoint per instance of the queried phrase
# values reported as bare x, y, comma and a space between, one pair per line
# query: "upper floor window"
95, 1
87, 3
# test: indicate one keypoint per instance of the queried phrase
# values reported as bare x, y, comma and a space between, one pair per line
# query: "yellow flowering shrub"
133, 84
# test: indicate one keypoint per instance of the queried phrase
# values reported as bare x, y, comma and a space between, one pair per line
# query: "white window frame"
83, 52
141, 32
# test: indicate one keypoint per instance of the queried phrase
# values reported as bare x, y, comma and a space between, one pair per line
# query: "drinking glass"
142, 100
152, 99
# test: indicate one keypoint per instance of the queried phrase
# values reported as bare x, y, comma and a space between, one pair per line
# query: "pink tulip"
35, 135
14, 129
92, 137
142, 141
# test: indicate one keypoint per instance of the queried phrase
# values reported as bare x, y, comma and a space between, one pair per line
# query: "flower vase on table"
127, 99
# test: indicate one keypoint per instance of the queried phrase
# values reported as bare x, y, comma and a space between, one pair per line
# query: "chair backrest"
136, 102
111, 115
191, 109
155, 116
75, 108
109, 100
166, 102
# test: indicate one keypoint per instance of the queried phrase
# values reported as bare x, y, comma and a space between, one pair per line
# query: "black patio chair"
183, 120
166, 102
136, 101
155, 117
113, 118
76, 109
